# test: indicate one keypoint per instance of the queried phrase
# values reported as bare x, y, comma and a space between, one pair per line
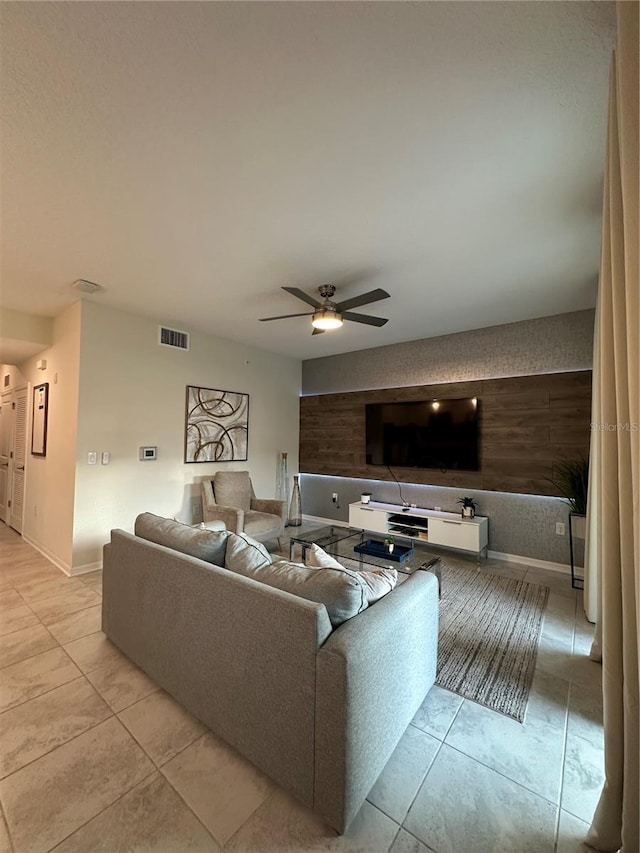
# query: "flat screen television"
440, 434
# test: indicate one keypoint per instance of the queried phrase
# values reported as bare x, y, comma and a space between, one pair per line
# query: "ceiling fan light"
326, 319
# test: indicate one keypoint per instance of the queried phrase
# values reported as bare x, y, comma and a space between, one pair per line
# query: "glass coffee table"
325, 537
340, 542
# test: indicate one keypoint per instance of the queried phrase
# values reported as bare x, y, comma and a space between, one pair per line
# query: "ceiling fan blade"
318, 331
295, 291
285, 316
363, 299
367, 319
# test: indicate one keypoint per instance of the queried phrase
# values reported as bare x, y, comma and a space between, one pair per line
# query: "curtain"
612, 583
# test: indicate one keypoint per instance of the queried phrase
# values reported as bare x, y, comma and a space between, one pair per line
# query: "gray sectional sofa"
319, 710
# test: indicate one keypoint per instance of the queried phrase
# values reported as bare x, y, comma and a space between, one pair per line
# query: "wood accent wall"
526, 424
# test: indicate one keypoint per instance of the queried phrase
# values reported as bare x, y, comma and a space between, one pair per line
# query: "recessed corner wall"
533, 379
526, 424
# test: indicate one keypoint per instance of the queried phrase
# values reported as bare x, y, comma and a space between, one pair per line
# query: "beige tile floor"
95, 757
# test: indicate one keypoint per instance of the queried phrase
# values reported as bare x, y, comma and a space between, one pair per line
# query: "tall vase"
282, 479
295, 507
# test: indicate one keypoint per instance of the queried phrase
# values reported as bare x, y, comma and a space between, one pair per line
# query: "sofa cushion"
233, 488
342, 591
207, 545
379, 581
244, 554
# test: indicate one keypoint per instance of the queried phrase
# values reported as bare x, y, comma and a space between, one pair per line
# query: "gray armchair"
230, 498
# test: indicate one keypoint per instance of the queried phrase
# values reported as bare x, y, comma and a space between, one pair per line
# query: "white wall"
50, 480
132, 393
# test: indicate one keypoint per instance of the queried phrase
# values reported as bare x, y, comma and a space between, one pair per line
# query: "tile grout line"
44, 692
420, 787
6, 823
179, 795
180, 751
108, 806
266, 800
419, 840
508, 778
273, 788
565, 737
55, 639
64, 743
395, 838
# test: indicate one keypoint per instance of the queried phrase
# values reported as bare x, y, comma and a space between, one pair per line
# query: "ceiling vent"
85, 286
173, 338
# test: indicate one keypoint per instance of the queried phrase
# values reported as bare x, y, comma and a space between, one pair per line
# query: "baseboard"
338, 522
86, 568
562, 568
60, 564
53, 558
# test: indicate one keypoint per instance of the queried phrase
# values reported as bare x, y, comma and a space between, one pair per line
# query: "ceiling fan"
330, 315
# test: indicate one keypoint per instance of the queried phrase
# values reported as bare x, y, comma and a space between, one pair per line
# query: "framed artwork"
39, 423
216, 425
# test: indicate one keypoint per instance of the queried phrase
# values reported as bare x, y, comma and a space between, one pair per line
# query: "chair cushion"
259, 523
244, 554
209, 545
379, 581
233, 488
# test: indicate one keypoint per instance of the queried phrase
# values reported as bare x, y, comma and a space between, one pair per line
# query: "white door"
5, 447
17, 458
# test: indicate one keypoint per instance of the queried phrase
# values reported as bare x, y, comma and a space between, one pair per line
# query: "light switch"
92, 457
106, 457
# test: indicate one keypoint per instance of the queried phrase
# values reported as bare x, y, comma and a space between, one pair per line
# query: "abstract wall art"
216, 425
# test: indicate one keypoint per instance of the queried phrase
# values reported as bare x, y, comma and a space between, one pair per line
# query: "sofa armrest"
372, 675
273, 507
231, 516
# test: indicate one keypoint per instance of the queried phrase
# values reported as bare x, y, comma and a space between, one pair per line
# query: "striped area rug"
489, 631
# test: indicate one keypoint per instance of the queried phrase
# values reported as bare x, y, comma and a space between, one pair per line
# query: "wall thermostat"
147, 453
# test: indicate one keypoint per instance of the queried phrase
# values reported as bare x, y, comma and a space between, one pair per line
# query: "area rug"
489, 630
488, 640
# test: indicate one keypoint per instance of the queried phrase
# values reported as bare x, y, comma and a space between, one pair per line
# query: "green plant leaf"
571, 478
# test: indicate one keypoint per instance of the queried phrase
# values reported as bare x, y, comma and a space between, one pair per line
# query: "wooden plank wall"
526, 424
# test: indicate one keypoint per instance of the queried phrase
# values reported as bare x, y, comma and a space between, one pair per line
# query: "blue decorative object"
375, 548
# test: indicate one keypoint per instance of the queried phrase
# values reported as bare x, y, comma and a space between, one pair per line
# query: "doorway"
13, 454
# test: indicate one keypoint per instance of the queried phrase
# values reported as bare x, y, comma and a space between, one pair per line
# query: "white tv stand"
448, 529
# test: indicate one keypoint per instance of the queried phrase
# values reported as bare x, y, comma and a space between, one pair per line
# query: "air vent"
173, 338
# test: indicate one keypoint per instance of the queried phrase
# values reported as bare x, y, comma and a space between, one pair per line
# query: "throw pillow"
207, 545
245, 555
342, 591
379, 581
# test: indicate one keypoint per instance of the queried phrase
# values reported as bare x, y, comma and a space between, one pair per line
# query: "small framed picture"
39, 423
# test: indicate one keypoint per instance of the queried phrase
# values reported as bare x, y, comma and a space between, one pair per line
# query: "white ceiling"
195, 157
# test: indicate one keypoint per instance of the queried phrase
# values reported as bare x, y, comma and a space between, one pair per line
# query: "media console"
448, 529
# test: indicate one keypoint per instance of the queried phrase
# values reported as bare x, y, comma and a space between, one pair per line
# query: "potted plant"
571, 478
468, 507
365, 497
389, 544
